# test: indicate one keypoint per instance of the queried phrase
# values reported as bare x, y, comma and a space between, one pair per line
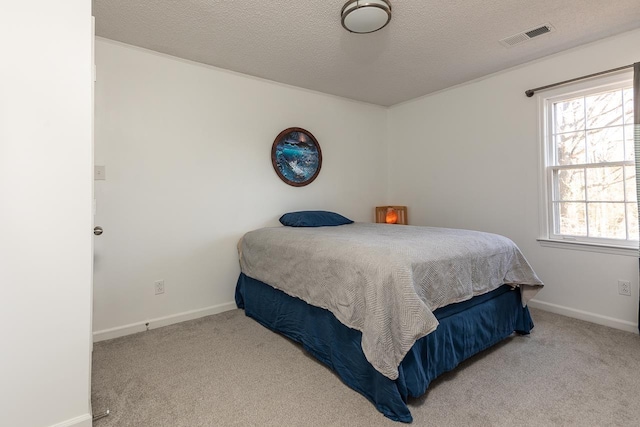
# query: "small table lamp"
391, 214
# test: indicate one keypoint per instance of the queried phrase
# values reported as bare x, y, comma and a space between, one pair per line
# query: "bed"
388, 308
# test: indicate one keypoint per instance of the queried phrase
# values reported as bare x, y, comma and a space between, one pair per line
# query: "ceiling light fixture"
365, 16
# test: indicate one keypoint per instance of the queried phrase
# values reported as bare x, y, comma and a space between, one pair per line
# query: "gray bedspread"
384, 280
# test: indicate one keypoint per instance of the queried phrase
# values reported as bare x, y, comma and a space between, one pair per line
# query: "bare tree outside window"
591, 166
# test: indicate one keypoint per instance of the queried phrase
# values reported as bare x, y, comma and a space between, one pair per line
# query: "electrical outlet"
159, 286
624, 287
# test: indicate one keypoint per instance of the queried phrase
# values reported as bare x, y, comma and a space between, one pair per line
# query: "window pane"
569, 184
568, 115
629, 148
630, 183
592, 199
570, 148
605, 145
632, 221
604, 109
628, 105
607, 220
571, 219
605, 184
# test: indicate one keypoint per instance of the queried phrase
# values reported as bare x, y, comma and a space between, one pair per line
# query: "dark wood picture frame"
296, 156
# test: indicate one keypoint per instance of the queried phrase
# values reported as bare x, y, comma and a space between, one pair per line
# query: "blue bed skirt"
465, 329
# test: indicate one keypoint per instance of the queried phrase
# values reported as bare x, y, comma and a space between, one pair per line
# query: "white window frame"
545, 102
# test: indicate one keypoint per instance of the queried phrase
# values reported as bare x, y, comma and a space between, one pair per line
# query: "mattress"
385, 281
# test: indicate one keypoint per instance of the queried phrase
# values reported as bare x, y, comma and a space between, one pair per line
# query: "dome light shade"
365, 16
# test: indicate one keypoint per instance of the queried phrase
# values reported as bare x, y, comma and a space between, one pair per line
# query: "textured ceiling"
429, 45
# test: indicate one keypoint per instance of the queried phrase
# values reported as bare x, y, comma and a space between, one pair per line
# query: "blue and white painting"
296, 156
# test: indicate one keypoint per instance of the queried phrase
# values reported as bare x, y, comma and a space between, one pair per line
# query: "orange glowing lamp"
392, 216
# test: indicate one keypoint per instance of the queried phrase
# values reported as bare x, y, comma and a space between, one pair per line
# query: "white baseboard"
120, 331
81, 421
585, 315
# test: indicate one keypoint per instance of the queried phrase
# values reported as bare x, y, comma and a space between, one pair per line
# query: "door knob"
97, 231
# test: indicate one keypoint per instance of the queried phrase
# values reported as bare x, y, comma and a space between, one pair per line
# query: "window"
589, 170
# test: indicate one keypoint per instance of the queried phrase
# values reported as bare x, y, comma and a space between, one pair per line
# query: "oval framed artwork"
296, 156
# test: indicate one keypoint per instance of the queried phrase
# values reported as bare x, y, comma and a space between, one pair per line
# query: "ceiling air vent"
527, 35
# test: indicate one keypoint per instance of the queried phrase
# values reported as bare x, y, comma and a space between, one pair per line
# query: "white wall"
188, 171
186, 149
468, 157
45, 213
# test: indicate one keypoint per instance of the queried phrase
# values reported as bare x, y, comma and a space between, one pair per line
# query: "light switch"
99, 173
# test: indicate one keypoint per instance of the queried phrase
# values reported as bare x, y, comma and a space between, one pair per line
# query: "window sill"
589, 247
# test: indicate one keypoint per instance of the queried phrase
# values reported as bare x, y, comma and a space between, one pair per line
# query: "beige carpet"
227, 370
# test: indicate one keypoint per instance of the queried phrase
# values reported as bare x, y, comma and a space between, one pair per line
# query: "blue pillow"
313, 219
